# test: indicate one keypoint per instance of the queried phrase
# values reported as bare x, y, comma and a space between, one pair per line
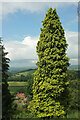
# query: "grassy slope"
24, 73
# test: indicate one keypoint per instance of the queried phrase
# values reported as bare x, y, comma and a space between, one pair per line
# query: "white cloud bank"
22, 50
72, 40
72, 51
27, 48
24, 6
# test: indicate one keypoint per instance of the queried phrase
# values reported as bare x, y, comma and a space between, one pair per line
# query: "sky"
21, 23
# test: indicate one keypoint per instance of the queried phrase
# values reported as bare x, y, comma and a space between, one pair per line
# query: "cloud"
27, 48
34, 61
22, 50
73, 45
14, 6
72, 40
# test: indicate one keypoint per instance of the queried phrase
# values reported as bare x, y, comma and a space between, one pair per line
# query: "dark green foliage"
74, 93
15, 90
74, 89
29, 90
6, 96
72, 75
50, 92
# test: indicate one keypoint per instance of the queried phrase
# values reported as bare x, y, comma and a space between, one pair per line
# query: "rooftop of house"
20, 95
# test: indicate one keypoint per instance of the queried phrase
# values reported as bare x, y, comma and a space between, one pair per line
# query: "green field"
14, 90
17, 83
21, 76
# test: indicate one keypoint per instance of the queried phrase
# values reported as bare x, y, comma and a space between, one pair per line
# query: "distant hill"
28, 68
28, 73
25, 64
21, 65
21, 69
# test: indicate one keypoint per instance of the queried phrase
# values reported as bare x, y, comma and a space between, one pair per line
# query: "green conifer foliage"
50, 93
6, 96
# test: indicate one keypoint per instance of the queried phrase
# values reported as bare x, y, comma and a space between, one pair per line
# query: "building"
20, 95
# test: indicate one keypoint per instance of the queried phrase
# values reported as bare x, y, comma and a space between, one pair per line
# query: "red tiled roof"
21, 95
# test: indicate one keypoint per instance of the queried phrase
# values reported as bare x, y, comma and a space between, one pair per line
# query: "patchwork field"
17, 83
22, 82
21, 76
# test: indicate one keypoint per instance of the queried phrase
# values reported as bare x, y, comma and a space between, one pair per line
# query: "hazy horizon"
26, 63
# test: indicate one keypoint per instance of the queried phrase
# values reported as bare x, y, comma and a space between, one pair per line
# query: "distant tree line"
20, 78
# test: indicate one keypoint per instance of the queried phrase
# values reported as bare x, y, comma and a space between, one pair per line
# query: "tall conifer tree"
6, 96
50, 93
